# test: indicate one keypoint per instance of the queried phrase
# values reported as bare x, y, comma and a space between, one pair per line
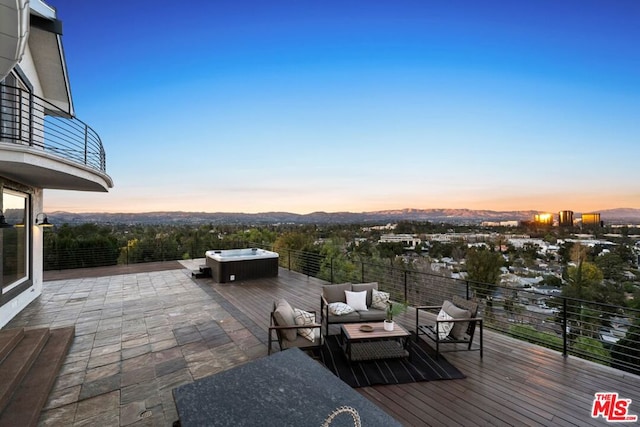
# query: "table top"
352, 331
287, 388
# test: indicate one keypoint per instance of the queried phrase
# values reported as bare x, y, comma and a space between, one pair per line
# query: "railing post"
362, 273
467, 288
289, 258
405, 286
564, 327
331, 269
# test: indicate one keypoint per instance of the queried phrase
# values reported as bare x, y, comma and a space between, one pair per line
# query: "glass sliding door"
14, 241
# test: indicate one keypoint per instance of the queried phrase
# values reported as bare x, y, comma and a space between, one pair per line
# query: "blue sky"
302, 106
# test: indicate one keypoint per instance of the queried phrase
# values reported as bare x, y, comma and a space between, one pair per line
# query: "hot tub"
241, 264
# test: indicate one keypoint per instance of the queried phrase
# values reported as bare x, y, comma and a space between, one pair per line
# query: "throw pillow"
340, 309
304, 318
357, 300
460, 328
443, 328
379, 300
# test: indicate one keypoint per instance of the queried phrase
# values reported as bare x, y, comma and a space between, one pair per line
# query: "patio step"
8, 340
28, 373
203, 272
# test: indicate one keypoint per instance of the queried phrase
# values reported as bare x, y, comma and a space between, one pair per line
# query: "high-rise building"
565, 218
543, 219
591, 219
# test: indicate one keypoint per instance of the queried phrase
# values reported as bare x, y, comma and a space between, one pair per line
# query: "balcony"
43, 146
144, 329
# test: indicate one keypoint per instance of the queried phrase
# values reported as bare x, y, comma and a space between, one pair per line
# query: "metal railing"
603, 333
29, 120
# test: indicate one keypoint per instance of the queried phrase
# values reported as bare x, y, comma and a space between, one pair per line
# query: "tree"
625, 354
582, 281
390, 249
611, 265
483, 270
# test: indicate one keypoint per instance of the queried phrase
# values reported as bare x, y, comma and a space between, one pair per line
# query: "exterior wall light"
3, 221
42, 220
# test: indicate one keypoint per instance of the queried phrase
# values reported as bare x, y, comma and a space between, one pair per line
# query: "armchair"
291, 327
456, 324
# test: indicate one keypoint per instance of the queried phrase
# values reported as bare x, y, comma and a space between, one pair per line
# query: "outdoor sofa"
375, 310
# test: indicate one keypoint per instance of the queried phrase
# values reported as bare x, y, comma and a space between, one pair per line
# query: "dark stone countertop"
288, 388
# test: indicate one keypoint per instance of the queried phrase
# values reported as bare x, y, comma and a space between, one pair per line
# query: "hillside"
454, 216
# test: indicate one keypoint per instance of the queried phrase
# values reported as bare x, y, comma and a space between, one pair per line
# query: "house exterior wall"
25, 171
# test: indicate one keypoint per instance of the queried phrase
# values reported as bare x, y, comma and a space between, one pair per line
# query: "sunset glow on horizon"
357, 106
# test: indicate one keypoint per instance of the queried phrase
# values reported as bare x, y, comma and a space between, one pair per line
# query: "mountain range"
454, 216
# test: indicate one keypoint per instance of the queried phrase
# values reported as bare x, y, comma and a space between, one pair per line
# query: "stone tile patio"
137, 337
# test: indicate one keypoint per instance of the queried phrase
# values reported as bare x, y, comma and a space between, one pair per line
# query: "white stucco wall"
29, 69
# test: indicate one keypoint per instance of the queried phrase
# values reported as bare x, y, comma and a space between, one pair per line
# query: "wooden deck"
515, 384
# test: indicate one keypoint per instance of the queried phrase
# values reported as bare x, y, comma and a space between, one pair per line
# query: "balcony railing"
603, 333
29, 120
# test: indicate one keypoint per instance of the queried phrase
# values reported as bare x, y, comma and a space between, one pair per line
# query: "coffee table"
359, 345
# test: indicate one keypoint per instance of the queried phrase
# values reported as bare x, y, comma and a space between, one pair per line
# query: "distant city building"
543, 219
592, 219
565, 218
380, 227
408, 241
500, 223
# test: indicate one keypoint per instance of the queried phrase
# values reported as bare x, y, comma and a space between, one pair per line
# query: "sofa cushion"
379, 299
302, 318
459, 328
335, 293
357, 287
340, 308
347, 318
285, 317
357, 300
372, 315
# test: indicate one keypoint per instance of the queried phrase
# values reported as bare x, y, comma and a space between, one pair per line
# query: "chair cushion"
443, 328
335, 293
357, 287
340, 308
379, 299
357, 300
302, 318
459, 328
300, 342
284, 317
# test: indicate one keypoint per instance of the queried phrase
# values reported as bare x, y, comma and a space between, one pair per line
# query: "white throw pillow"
357, 300
302, 318
443, 328
379, 299
340, 308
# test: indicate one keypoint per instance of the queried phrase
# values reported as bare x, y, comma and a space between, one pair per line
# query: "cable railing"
603, 333
29, 120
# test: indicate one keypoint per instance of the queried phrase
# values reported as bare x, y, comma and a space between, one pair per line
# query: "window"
14, 241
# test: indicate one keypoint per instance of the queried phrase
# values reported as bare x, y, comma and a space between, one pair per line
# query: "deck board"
516, 383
